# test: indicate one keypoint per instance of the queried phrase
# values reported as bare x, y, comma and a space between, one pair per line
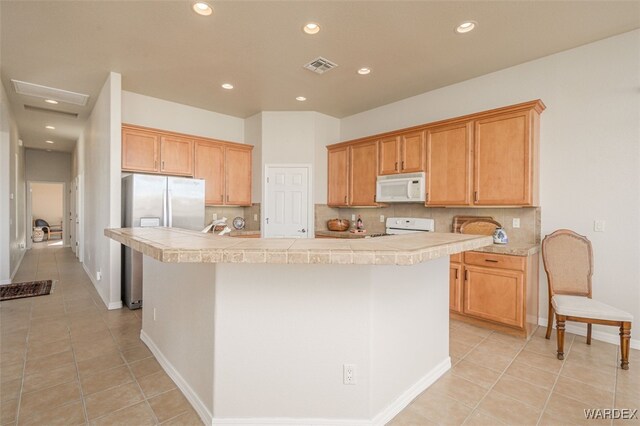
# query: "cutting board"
459, 220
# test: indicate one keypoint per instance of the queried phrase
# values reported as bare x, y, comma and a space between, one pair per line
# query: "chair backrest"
568, 261
41, 222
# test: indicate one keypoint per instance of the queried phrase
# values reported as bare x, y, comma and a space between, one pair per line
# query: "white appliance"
149, 200
408, 225
402, 188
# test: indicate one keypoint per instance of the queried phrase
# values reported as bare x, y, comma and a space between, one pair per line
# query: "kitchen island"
297, 331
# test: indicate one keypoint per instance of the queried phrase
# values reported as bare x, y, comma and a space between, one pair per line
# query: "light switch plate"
598, 225
381, 218
516, 222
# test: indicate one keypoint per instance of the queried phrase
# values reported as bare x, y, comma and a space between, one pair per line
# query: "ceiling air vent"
50, 111
320, 65
30, 89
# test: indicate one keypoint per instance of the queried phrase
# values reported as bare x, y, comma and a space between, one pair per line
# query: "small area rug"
28, 289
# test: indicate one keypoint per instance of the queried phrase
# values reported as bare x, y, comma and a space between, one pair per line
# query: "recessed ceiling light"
364, 71
311, 28
227, 86
51, 101
49, 141
202, 8
49, 127
465, 27
301, 98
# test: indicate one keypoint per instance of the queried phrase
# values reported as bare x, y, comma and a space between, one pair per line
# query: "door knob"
302, 230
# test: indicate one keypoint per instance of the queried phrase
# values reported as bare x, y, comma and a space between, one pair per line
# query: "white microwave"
401, 188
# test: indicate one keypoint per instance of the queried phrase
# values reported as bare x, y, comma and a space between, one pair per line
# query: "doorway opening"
46, 214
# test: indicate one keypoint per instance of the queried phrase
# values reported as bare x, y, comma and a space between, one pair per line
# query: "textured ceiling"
164, 50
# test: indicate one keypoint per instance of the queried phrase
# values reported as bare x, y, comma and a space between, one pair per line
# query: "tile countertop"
514, 249
174, 245
340, 234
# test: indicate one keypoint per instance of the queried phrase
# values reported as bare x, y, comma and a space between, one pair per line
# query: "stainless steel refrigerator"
149, 200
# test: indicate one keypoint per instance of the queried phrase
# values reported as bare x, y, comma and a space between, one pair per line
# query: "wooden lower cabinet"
498, 290
455, 287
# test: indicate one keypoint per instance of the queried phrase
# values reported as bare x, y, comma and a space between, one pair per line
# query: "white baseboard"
379, 420
410, 394
15, 270
581, 330
105, 300
205, 415
3, 282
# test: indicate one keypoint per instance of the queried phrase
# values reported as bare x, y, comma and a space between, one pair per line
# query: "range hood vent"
320, 65
44, 92
50, 111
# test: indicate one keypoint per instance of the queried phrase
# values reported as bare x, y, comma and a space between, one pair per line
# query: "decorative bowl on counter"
338, 224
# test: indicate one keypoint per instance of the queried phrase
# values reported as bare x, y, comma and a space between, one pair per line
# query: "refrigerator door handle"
164, 208
169, 210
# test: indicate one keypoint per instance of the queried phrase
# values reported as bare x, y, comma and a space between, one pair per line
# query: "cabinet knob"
345, 199
396, 166
402, 166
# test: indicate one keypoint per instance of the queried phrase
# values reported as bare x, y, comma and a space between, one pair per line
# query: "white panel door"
287, 197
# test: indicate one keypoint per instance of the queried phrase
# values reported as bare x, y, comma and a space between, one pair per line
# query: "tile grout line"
498, 379
546, 403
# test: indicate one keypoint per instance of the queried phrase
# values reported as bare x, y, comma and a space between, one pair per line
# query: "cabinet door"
412, 152
389, 156
238, 176
363, 174
449, 165
176, 155
140, 151
455, 287
209, 165
502, 168
338, 177
494, 294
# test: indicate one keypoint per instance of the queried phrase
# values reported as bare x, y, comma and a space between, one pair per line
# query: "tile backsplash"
529, 231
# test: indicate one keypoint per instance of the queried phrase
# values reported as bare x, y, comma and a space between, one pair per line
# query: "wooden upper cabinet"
449, 164
209, 165
238, 175
338, 177
412, 153
140, 150
176, 155
401, 154
504, 154
363, 173
389, 161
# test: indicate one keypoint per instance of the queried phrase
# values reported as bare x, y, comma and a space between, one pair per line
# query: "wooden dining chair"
568, 261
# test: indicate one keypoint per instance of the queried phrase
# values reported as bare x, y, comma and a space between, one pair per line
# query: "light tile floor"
65, 359
498, 379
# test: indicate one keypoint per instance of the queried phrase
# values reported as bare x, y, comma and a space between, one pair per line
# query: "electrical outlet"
349, 374
255, 217
154, 314
381, 218
516, 222
353, 218
214, 216
598, 225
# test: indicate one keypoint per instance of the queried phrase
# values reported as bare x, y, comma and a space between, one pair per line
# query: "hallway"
66, 359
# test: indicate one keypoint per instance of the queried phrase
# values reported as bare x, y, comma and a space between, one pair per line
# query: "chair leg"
560, 319
549, 322
588, 333
625, 337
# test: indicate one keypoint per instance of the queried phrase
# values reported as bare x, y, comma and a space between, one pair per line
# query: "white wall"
98, 154
160, 114
590, 149
47, 202
300, 137
44, 166
12, 193
253, 136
